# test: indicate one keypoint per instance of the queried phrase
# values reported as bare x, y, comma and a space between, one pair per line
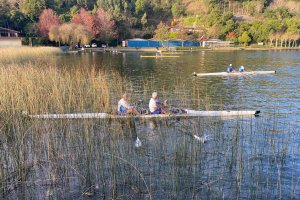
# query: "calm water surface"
269, 93
244, 158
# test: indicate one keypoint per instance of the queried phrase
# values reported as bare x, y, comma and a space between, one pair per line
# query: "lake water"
269, 93
244, 158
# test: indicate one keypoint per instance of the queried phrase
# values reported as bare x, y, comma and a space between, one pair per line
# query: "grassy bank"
32, 82
44, 89
23, 54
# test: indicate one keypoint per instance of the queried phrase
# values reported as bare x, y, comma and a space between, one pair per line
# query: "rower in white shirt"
125, 108
155, 106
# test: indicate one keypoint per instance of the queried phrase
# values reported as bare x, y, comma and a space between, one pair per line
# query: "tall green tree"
244, 39
177, 9
161, 32
140, 6
118, 9
144, 20
33, 8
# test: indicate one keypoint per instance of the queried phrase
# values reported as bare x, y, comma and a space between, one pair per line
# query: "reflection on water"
244, 158
269, 93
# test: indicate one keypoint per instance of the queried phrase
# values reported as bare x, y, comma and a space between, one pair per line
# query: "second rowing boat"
234, 73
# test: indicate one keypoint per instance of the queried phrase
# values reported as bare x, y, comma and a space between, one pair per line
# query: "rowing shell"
234, 73
160, 56
189, 113
171, 53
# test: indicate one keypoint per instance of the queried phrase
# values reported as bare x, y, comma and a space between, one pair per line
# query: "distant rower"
230, 68
124, 107
158, 52
242, 69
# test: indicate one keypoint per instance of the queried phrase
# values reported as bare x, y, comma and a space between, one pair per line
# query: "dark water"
269, 93
244, 158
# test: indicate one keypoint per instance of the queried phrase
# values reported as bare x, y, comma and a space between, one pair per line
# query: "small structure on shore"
215, 43
143, 43
9, 38
180, 43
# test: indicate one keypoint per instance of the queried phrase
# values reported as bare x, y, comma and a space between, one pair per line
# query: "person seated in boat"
155, 106
242, 69
158, 52
230, 68
124, 106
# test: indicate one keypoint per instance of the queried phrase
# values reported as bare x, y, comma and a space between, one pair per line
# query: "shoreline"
255, 48
128, 49
154, 50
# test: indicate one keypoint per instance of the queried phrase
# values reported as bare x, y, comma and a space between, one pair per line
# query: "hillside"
260, 20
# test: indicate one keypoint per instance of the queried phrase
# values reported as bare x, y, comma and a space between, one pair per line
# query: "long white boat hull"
234, 73
189, 113
167, 56
221, 113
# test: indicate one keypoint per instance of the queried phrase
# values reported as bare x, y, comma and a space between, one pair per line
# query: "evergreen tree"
244, 39
33, 8
161, 33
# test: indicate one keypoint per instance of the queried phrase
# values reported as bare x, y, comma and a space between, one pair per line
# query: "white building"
9, 38
214, 43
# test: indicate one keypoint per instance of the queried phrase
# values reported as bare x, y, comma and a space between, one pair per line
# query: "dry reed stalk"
21, 54
45, 89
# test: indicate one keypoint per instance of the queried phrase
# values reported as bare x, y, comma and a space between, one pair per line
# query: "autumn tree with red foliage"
232, 36
86, 19
106, 25
48, 18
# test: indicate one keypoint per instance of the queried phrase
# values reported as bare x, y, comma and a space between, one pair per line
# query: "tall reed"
46, 89
26, 54
76, 159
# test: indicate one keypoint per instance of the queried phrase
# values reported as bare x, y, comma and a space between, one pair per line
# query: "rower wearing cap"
124, 107
155, 106
230, 68
242, 69
158, 53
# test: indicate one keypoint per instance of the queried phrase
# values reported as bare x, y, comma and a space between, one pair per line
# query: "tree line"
241, 21
277, 27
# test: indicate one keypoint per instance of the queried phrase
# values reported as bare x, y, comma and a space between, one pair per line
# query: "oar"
202, 139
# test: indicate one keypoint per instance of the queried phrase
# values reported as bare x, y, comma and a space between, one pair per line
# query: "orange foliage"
86, 19
105, 24
232, 35
47, 19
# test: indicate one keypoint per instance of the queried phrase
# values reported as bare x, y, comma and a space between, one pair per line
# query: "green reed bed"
98, 158
76, 159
